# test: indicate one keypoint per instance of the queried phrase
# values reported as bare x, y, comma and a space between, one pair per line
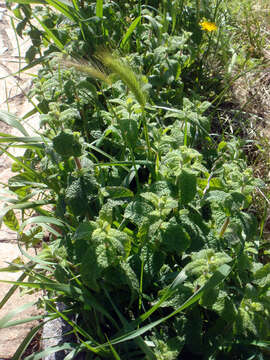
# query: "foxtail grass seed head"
87, 69
125, 73
208, 26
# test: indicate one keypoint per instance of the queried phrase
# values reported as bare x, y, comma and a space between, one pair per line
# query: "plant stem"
78, 163
224, 227
141, 282
135, 168
146, 135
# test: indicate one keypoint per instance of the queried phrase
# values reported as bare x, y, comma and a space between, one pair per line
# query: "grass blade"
65, 7
28, 2
23, 206
41, 220
35, 174
4, 321
71, 291
179, 114
23, 346
50, 34
114, 352
130, 31
26, 139
12, 120
52, 350
15, 287
218, 277
99, 9
22, 321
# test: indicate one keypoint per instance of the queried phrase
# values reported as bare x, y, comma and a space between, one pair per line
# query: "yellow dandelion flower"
208, 26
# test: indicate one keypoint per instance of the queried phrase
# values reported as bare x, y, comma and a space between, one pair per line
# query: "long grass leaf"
50, 34
218, 277
179, 114
139, 341
23, 346
26, 139
181, 277
130, 31
12, 120
120, 163
76, 327
65, 7
114, 352
28, 2
53, 286
82, 295
26, 167
35, 259
38, 61
23, 206
4, 320
61, 2
99, 8
41, 220
12, 290
22, 321
52, 350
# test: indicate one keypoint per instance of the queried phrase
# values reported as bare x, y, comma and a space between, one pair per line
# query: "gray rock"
54, 334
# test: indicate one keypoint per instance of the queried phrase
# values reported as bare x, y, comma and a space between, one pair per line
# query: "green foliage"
67, 145
149, 218
81, 193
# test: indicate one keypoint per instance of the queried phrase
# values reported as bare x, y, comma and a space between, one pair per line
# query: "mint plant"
146, 209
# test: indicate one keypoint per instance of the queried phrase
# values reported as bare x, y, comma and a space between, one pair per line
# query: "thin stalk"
181, 8
135, 168
146, 134
185, 136
140, 10
17, 43
78, 163
224, 227
141, 284
6, 95
198, 6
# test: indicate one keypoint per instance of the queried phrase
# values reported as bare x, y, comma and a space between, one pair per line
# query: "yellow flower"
208, 26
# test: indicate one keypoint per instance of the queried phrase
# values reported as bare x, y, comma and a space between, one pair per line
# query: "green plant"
149, 210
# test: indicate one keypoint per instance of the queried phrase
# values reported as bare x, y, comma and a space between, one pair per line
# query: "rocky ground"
12, 98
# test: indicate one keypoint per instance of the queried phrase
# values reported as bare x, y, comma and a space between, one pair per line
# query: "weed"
152, 217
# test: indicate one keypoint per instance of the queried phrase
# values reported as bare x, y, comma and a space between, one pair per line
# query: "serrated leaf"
90, 269
206, 261
160, 188
224, 306
153, 198
84, 230
187, 186
137, 211
131, 280
174, 238
236, 201
217, 196
121, 241
209, 297
11, 221
262, 276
